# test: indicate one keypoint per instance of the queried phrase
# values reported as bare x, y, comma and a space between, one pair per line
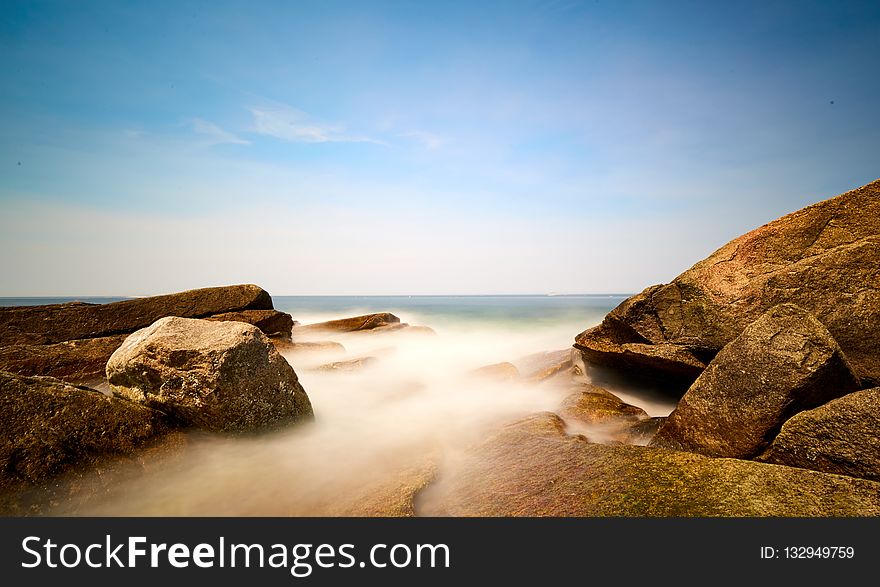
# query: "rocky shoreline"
770, 346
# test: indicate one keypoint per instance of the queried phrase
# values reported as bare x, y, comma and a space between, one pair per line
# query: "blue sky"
417, 147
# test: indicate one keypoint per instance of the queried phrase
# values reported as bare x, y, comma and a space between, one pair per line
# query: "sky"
413, 147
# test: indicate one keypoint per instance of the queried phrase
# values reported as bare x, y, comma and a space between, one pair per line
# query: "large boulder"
38, 325
824, 258
75, 360
533, 468
781, 364
221, 376
50, 427
382, 321
842, 436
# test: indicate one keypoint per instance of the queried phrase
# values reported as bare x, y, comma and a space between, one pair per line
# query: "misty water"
416, 405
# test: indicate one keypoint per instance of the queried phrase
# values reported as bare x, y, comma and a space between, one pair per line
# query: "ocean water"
416, 403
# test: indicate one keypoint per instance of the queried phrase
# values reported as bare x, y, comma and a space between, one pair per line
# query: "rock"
497, 372
594, 405
219, 376
533, 468
665, 362
842, 436
271, 322
391, 493
540, 367
643, 431
76, 360
357, 323
824, 258
35, 325
324, 346
781, 364
347, 366
50, 427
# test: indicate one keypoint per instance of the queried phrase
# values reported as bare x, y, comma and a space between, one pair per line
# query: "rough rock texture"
643, 431
271, 322
347, 366
497, 372
781, 364
324, 346
74, 360
614, 347
50, 426
540, 367
222, 376
533, 468
594, 405
842, 436
357, 323
824, 258
33, 325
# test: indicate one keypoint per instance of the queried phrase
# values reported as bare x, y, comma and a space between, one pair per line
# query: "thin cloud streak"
292, 125
214, 135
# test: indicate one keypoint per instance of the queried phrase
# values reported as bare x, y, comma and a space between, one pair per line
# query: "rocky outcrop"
642, 431
50, 427
270, 322
74, 360
355, 324
38, 325
825, 258
533, 468
842, 436
781, 364
221, 376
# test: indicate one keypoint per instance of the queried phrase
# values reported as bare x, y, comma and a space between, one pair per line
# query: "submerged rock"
781, 364
323, 346
842, 436
497, 372
50, 427
347, 366
74, 360
220, 376
36, 325
533, 468
825, 258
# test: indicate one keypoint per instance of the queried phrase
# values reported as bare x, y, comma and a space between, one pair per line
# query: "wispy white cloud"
289, 124
215, 135
425, 139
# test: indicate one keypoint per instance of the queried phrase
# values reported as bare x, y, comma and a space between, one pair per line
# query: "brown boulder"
593, 405
824, 258
221, 376
842, 436
34, 325
781, 364
533, 468
50, 427
271, 322
75, 360
357, 323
